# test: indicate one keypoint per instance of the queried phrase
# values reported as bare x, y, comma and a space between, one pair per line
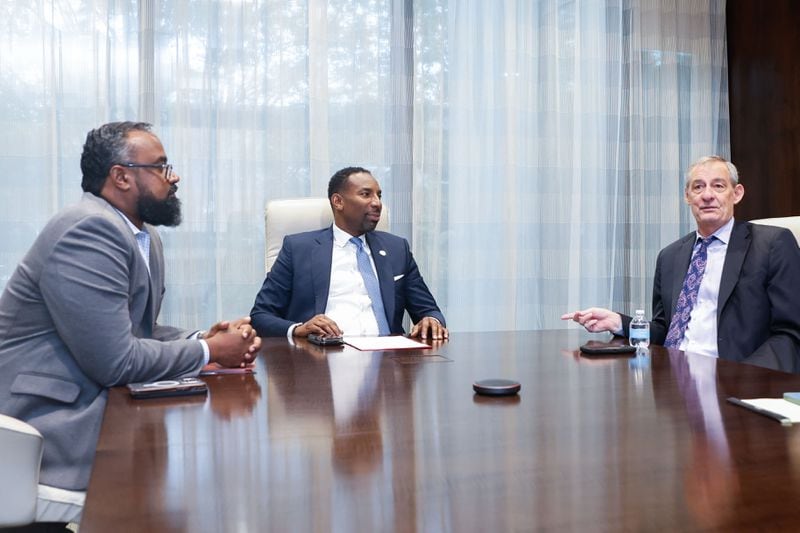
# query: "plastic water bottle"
639, 330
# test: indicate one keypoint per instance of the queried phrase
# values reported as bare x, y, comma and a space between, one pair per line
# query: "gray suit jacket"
78, 316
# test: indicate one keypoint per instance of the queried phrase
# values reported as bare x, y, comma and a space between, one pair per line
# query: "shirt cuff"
206, 351
290, 332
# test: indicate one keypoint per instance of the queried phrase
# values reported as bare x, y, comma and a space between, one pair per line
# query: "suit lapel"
321, 256
156, 274
385, 277
734, 258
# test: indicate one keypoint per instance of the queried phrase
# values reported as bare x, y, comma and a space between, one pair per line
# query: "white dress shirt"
701, 332
349, 304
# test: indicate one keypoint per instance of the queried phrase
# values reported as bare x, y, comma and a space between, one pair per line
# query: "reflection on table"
322, 439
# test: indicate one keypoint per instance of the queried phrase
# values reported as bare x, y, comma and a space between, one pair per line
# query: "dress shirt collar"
341, 238
130, 224
723, 234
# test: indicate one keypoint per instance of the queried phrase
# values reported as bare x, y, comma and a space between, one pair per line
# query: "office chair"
296, 215
20, 458
23, 500
791, 223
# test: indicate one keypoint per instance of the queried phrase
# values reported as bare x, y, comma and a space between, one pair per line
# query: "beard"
166, 212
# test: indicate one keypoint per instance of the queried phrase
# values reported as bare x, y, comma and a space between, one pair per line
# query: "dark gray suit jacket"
296, 288
78, 316
758, 311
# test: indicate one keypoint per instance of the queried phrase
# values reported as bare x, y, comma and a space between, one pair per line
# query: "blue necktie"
688, 295
371, 284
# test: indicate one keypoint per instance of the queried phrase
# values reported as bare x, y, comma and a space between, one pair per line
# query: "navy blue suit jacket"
296, 288
758, 308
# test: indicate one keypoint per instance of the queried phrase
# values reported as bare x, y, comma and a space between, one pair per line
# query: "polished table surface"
340, 440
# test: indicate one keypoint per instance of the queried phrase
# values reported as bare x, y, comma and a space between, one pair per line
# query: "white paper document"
395, 342
778, 406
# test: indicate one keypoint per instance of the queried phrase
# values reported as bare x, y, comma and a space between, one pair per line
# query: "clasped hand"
233, 343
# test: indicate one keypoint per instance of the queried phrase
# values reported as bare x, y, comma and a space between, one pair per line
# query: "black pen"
775, 416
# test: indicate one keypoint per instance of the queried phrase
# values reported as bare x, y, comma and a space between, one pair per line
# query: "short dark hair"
105, 147
336, 184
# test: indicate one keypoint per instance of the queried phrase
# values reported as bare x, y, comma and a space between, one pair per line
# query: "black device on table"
607, 348
323, 340
172, 387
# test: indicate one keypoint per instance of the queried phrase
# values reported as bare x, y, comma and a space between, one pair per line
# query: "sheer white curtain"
549, 143
531, 151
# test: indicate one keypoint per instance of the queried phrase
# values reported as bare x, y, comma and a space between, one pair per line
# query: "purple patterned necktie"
688, 296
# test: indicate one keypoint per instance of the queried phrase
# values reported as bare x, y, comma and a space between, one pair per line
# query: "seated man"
727, 290
348, 278
79, 313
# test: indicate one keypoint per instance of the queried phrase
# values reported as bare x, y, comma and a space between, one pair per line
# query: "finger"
330, 328
569, 316
424, 328
436, 330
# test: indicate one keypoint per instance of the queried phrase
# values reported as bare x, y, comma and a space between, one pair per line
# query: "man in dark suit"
746, 306
79, 313
320, 285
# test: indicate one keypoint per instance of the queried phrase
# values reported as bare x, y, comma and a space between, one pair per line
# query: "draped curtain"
531, 151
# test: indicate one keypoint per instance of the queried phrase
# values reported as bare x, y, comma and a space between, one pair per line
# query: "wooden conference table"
340, 440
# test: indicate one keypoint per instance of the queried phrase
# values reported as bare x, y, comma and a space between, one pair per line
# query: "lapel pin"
382, 252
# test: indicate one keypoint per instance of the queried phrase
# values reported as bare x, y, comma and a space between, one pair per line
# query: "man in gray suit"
79, 313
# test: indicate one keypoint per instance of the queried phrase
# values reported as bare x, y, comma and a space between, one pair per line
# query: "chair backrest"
792, 223
20, 459
296, 215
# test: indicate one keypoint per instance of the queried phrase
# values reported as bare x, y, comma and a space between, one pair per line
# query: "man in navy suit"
317, 285
747, 307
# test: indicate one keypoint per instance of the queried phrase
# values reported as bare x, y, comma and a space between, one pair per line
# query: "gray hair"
732, 172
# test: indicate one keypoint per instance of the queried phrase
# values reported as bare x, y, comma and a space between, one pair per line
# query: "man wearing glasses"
79, 313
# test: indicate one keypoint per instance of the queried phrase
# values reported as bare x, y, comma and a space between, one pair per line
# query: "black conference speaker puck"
496, 387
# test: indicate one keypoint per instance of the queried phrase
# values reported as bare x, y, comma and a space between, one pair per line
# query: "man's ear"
336, 201
119, 178
738, 193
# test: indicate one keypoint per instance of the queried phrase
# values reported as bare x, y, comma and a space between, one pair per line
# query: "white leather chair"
20, 458
791, 223
22, 499
296, 215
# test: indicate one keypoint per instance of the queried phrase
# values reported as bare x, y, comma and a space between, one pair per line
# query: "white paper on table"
778, 406
394, 342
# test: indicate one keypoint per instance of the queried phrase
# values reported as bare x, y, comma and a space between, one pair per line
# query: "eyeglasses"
166, 169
